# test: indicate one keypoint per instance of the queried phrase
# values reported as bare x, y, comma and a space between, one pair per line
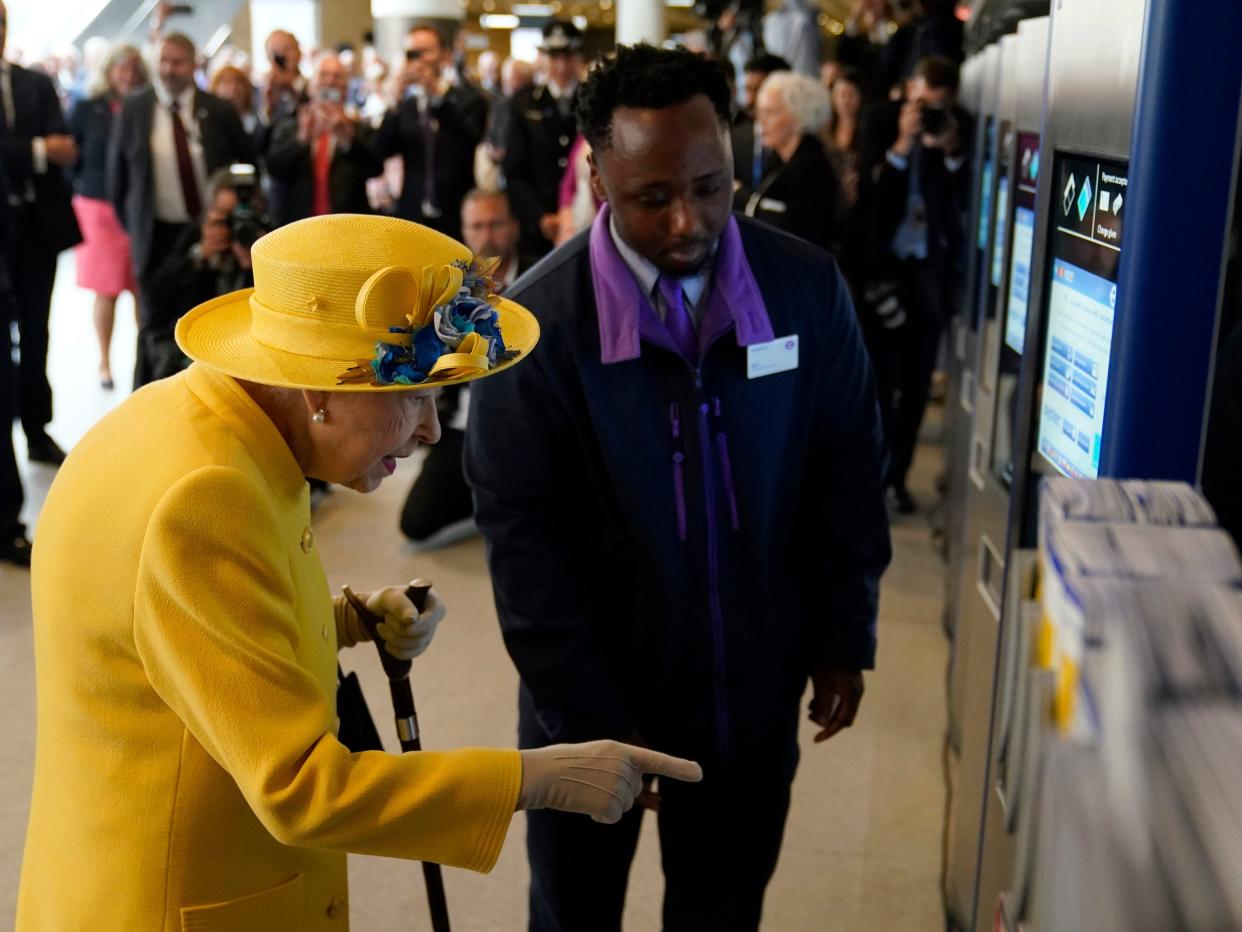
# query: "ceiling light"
499, 21
581, 22
679, 3
533, 10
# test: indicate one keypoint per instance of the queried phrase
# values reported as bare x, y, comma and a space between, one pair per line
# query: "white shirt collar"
558, 92
647, 275
511, 272
185, 98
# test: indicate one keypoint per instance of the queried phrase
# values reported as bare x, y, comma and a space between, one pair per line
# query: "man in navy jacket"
676, 547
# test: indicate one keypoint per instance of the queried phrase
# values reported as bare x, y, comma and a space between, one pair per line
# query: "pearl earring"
319, 416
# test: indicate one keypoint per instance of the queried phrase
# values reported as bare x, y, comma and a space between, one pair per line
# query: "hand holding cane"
398, 672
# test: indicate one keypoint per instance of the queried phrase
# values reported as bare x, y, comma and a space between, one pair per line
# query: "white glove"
600, 778
405, 631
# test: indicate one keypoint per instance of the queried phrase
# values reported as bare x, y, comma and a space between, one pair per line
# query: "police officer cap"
560, 36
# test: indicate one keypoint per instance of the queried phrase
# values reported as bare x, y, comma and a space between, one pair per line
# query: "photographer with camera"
912, 166
284, 89
319, 159
212, 258
435, 127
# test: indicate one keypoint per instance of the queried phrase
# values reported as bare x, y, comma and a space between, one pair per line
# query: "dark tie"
427, 123
185, 166
677, 320
322, 200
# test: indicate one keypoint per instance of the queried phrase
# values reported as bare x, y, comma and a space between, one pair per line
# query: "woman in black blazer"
799, 190
103, 258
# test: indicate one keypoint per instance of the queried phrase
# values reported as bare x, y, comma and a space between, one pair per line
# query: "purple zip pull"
726, 468
679, 470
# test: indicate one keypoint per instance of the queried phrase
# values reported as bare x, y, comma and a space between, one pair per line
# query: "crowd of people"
177, 163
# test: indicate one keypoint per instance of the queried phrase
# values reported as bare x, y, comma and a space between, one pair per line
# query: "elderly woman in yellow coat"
187, 772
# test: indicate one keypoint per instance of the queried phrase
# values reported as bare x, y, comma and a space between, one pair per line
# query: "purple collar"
626, 316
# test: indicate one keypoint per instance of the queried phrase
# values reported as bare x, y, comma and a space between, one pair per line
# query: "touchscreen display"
1023, 241
986, 183
1088, 207
1022, 237
1002, 217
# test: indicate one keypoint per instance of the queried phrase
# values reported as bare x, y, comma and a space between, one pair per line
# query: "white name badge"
779, 355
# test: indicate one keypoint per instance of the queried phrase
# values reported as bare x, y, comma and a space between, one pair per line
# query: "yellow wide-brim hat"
330, 290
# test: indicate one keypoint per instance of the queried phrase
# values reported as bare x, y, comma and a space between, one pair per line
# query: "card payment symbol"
1067, 199
1117, 205
1084, 198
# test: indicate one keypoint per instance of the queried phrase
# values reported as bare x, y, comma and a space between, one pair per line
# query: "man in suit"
914, 177
320, 159
36, 148
169, 139
435, 129
539, 131
748, 150
439, 501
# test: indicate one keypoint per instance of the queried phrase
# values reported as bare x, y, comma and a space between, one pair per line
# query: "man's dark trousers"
719, 843
11, 495
904, 359
33, 270
158, 356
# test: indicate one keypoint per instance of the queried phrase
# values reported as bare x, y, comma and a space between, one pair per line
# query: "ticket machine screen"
1088, 209
1022, 243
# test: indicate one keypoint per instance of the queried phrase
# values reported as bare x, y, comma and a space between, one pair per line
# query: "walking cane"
398, 672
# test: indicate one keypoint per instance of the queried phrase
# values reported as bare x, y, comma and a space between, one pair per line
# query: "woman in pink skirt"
104, 264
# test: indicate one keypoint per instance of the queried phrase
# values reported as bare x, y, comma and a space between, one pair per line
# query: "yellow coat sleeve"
215, 625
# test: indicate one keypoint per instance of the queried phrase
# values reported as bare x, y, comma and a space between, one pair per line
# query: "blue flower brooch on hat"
451, 331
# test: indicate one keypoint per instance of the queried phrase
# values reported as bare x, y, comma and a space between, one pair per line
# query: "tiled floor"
862, 851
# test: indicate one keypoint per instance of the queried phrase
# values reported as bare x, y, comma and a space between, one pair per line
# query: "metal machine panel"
1088, 103
979, 77
961, 404
982, 566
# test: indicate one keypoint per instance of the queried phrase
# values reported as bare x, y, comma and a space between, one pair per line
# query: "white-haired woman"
103, 258
799, 191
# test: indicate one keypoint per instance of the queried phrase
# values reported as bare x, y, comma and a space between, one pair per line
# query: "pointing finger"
664, 765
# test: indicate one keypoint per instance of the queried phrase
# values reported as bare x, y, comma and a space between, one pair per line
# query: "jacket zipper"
713, 569
726, 468
679, 469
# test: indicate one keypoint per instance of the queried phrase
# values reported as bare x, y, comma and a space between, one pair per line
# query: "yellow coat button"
308, 540
337, 907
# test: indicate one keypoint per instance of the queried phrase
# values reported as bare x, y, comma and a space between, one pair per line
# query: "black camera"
246, 223
935, 119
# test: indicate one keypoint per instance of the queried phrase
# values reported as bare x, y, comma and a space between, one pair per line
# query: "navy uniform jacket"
537, 140
587, 476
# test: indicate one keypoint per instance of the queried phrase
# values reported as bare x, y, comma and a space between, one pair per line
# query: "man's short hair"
938, 72
431, 28
646, 78
487, 194
280, 34
766, 63
182, 40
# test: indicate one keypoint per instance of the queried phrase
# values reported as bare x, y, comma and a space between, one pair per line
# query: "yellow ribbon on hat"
381, 316
470, 357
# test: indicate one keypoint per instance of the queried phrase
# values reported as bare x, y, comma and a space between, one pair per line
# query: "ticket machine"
1137, 160
1015, 167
